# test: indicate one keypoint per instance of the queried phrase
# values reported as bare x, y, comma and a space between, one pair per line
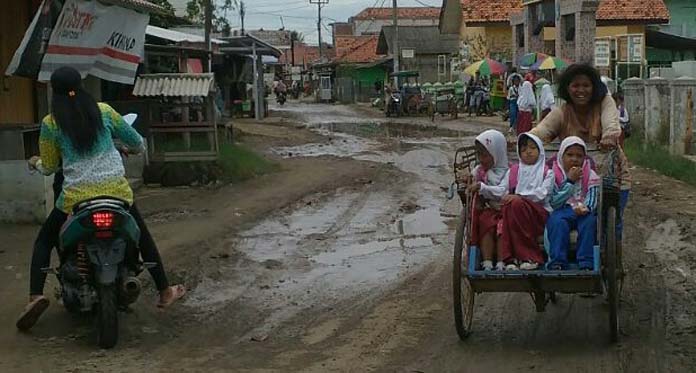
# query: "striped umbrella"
551, 63
530, 59
486, 67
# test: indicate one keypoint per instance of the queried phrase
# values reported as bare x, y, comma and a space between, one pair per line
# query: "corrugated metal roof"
183, 85
177, 36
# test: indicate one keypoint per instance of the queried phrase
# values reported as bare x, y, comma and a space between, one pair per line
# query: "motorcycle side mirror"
130, 118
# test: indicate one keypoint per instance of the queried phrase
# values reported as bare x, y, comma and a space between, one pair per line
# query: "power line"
424, 4
272, 12
277, 5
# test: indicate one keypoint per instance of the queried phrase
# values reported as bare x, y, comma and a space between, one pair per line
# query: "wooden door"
16, 94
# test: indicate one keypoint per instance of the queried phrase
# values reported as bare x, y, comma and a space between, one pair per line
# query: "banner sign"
602, 53
99, 40
635, 48
630, 48
26, 61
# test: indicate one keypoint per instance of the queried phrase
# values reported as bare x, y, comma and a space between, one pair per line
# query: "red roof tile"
357, 49
489, 10
480, 11
633, 10
403, 12
304, 54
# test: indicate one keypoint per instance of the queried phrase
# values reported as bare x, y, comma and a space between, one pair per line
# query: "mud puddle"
354, 242
328, 249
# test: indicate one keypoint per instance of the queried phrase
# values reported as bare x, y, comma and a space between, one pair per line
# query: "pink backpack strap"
586, 171
514, 175
558, 174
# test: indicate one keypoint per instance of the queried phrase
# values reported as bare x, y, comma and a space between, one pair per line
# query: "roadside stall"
181, 116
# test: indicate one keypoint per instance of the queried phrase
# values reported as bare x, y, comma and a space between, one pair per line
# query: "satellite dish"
130, 118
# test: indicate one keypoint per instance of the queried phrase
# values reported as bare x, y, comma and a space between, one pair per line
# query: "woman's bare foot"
171, 295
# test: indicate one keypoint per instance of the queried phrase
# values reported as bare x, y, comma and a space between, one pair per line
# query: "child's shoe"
529, 266
511, 267
500, 266
487, 265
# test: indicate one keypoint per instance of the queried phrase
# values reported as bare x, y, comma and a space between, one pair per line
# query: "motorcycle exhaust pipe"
131, 289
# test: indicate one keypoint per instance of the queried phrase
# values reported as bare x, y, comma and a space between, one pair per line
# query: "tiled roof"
633, 10
185, 85
403, 12
357, 49
480, 11
489, 10
304, 54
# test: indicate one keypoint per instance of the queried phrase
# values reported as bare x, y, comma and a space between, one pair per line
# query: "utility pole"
208, 27
242, 13
319, 3
397, 52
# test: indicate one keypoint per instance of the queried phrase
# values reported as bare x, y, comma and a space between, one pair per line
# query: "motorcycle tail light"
103, 220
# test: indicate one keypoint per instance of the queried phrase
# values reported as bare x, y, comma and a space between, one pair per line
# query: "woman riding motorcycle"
78, 136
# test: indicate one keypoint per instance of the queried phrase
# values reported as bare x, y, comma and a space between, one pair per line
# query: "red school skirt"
524, 121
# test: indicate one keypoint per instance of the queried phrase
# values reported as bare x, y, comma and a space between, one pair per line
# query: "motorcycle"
100, 262
394, 105
281, 97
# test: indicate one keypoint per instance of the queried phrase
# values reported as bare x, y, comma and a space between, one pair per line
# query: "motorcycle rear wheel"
107, 317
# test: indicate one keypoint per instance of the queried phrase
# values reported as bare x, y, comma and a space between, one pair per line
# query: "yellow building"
485, 27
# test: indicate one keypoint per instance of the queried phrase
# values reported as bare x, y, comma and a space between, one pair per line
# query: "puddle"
338, 145
347, 244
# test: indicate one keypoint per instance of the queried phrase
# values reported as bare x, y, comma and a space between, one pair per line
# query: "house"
423, 49
485, 27
301, 55
676, 40
371, 20
358, 61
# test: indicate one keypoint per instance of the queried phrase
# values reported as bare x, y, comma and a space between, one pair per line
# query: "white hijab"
495, 143
565, 144
526, 100
547, 99
530, 177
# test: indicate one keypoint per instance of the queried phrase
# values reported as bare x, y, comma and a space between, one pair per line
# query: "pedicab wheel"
462, 294
612, 274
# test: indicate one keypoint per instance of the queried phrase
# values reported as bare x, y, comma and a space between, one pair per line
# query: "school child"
574, 203
526, 103
527, 207
490, 185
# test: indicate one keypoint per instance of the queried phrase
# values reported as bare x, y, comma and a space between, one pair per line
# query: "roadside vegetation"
238, 163
658, 158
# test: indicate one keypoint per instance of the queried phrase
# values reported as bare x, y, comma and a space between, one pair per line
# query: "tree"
297, 36
195, 12
162, 20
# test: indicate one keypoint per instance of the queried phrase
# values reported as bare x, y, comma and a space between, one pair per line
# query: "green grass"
239, 163
658, 158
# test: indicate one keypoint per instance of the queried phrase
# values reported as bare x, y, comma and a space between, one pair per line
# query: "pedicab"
469, 279
444, 102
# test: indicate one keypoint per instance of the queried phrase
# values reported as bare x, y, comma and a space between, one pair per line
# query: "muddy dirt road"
341, 262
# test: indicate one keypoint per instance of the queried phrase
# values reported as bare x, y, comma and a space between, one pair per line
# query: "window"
520, 36
569, 27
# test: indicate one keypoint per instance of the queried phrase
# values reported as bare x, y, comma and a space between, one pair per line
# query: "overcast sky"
300, 15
